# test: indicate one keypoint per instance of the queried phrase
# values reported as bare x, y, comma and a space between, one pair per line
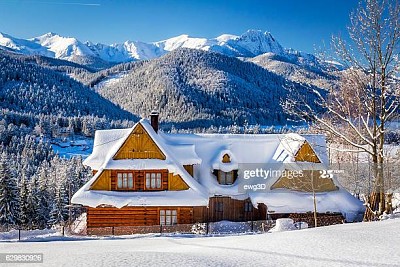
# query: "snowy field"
359, 244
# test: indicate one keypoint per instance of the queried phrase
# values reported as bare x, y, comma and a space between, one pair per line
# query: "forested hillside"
198, 88
299, 68
27, 87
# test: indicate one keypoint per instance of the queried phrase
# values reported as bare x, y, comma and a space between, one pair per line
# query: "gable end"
139, 145
306, 153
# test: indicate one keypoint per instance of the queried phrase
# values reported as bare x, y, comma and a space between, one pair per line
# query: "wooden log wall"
134, 216
226, 208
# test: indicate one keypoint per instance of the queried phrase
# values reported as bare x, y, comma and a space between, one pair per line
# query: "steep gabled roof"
105, 142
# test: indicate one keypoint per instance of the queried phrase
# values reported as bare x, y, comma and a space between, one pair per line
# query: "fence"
211, 228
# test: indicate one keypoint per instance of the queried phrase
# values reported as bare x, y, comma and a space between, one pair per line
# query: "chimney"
154, 120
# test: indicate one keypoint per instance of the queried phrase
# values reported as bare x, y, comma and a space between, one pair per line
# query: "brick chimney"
154, 120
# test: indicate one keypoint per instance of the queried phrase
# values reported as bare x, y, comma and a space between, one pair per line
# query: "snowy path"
362, 244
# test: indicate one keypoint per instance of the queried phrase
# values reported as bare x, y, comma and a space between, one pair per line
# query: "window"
225, 178
153, 180
219, 207
248, 207
168, 217
124, 180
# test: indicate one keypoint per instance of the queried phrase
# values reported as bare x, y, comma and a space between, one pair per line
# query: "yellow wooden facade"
306, 153
176, 183
103, 182
308, 181
139, 145
189, 169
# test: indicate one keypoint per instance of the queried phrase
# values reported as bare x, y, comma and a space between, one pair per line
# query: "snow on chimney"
154, 120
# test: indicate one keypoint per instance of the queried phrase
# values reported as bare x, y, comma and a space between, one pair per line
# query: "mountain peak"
4, 35
253, 32
226, 37
258, 34
257, 42
49, 34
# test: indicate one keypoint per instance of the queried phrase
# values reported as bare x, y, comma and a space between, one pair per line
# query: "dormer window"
225, 178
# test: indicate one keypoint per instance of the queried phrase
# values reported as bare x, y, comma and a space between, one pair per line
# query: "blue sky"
299, 24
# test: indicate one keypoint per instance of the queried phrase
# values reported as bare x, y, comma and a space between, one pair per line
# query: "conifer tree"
9, 206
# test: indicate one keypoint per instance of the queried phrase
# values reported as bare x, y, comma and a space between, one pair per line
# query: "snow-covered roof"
104, 142
205, 152
217, 163
291, 143
94, 198
195, 196
287, 201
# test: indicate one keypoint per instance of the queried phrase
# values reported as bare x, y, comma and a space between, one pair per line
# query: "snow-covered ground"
359, 244
110, 81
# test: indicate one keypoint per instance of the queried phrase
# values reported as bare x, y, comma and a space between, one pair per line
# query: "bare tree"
358, 109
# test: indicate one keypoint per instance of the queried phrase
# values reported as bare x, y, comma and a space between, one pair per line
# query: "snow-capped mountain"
63, 47
22, 46
249, 44
127, 51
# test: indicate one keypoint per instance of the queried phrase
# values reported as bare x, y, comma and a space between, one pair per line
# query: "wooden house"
144, 177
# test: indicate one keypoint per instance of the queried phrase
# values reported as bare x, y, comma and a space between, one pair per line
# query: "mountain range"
193, 81
250, 44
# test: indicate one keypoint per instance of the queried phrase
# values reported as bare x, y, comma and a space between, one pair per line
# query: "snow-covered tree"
358, 110
59, 211
9, 205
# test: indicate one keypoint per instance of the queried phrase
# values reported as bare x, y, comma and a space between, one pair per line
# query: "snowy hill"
27, 87
24, 46
298, 67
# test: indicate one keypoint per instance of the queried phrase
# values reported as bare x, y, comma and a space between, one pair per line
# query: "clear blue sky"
299, 24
